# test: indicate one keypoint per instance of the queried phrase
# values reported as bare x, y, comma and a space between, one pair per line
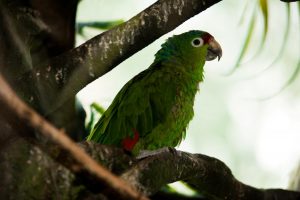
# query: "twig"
82, 165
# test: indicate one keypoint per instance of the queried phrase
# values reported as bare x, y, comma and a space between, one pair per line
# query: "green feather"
158, 102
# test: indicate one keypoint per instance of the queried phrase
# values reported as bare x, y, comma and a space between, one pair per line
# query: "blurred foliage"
263, 4
104, 25
262, 10
262, 7
95, 110
291, 79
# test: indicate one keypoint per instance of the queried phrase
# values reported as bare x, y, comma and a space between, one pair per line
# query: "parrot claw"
148, 153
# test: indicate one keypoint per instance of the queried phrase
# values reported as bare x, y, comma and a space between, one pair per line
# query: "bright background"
235, 121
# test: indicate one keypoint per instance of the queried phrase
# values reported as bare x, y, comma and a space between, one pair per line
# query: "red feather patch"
206, 37
128, 143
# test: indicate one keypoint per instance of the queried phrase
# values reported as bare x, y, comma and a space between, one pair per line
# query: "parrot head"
190, 46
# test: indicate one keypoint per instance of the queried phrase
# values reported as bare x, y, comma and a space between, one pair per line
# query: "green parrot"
154, 108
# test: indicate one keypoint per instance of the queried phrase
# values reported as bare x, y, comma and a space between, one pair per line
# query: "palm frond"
246, 42
287, 83
265, 11
282, 46
243, 14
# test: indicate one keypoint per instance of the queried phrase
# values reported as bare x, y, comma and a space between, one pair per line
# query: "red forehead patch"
206, 37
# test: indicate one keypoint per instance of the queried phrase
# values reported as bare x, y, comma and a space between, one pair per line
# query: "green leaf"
98, 108
288, 82
90, 124
246, 42
265, 11
245, 10
263, 5
285, 36
283, 43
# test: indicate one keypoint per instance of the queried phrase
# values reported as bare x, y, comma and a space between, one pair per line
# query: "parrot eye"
197, 42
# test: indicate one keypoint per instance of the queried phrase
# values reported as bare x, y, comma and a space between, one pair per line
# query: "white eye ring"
197, 42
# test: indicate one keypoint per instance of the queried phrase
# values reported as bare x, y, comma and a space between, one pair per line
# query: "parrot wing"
143, 103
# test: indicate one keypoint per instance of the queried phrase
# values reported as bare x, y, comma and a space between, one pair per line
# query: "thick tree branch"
57, 143
289, 0
203, 175
207, 175
70, 72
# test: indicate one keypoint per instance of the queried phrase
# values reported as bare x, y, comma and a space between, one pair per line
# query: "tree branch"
207, 175
288, 1
55, 143
70, 72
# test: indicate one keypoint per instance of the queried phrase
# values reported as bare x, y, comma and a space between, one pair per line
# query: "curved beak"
214, 50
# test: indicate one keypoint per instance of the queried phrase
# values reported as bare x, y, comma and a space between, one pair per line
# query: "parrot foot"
148, 153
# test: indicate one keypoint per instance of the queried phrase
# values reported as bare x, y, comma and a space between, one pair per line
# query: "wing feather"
143, 103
